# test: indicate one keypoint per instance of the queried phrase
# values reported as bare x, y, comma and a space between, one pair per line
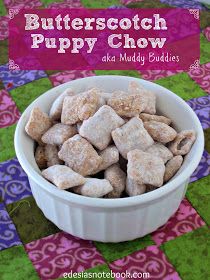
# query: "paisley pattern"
187, 4
184, 220
201, 106
9, 113
206, 32
65, 4
8, 233
4, 27
61, 252
203, 168
17, 78
151, 260
14, 183
63, 77
153, 75
20, 4
202, 76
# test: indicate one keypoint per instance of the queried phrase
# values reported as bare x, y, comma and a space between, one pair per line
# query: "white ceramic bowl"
110, 220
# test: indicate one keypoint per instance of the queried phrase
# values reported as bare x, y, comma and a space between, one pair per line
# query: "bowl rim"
102, 202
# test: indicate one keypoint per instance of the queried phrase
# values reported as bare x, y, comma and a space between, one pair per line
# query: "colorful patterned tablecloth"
31, 247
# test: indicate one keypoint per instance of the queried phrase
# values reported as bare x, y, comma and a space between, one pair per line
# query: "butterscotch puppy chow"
40, 157
56, 108
63, 177
58, 134
131, 135
70, 110
159, 150
183, 142
149, 97
38, 124
160, 132
172, 167
147, 117
89, 102
145, 168
79, 107
127, 105
94, 188
117, 179
80, 155
109, 156
133, 188
97, 129
51, 154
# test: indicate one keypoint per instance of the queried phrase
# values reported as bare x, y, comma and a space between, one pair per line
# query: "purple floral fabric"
8, 233
187, 4
16, 78
203, 168
201, 106
14, 183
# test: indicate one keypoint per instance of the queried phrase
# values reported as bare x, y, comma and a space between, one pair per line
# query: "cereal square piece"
89, 103
117, 179
109, 156
80, 155
51, 155
148, 96
159, 150
94, 188
80, 107
63, 177
160, 132
183, 142
172, 167
147, 117
38, 124
56, 108
133, 188
145, 168
128, 105
58, 134
130, 136
97, 129
70, 109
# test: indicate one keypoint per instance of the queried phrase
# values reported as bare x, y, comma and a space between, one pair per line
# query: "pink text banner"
87, 39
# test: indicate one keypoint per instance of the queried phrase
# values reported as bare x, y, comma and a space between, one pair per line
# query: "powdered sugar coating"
117, 178
172, 167
80, 155
127, 105
38, 123
109, 156
58, 134
183, 142
94, 187
145, 168
97, 129
133, 188
51, 154
159, 150
147, 117
88, 104
160, 132
132, 135
63, 177
148, 96
56, 108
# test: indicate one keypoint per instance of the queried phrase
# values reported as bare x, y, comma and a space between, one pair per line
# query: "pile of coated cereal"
114, 136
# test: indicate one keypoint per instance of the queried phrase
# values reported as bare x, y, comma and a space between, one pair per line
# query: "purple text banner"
103, 39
